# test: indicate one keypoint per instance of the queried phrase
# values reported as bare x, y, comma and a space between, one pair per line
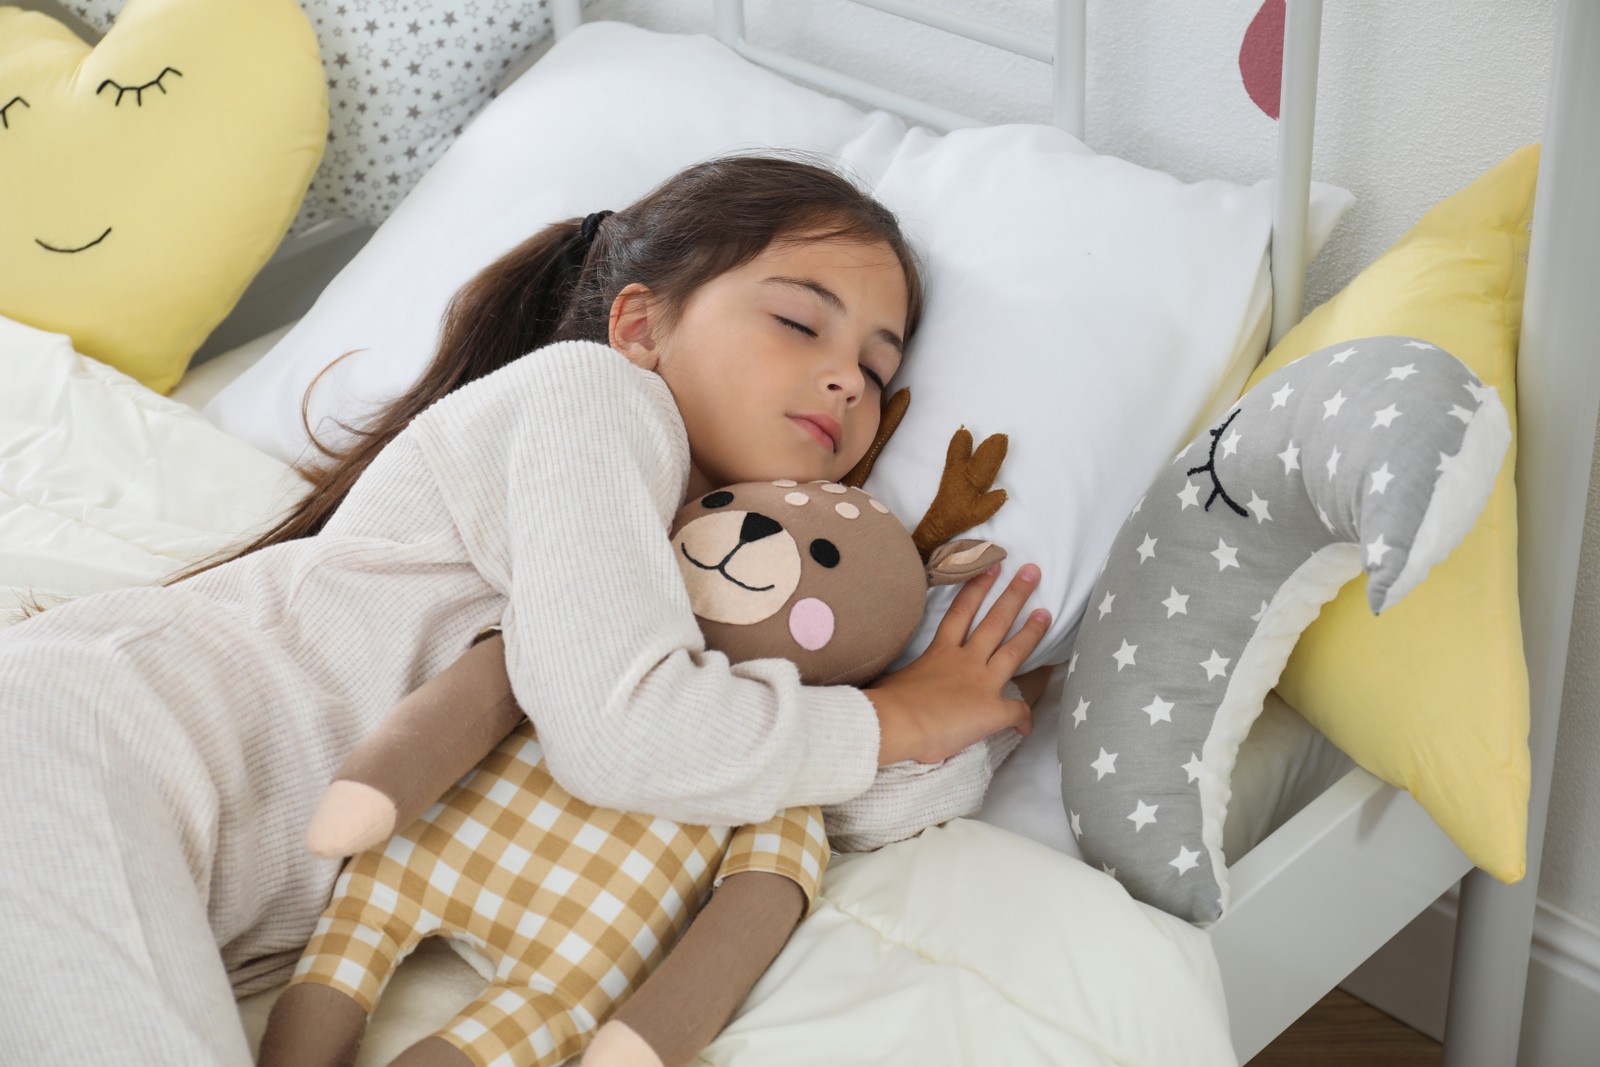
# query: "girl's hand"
949, 698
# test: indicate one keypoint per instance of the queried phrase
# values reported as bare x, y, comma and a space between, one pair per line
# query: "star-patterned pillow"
1375, 455
404, 78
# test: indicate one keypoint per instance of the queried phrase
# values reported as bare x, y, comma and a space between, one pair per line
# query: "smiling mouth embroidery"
80, 248
719, 568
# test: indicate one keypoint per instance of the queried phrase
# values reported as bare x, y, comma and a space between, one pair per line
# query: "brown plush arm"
687, 1001
436, 734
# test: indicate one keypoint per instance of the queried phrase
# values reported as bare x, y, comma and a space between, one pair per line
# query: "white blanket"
966, 945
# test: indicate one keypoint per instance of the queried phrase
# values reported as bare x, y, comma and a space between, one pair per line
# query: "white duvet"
969, 944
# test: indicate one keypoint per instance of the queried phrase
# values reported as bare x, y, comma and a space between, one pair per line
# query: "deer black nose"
756, 526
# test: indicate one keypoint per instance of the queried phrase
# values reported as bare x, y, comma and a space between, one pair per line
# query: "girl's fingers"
1008, 659
958, 619
995, 625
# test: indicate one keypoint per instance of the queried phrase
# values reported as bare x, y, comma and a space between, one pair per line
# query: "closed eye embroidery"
14, 100
138, 90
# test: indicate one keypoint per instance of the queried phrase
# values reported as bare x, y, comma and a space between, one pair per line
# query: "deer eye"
825, 552
720, 499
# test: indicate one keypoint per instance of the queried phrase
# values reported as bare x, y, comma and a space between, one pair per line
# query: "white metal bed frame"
1335, 882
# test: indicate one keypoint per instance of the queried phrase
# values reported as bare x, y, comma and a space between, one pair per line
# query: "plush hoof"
616, 1045
351, 816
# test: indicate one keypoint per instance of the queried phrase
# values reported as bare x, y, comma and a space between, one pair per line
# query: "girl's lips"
817, 432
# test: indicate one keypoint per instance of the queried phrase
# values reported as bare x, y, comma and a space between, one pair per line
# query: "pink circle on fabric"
811, 623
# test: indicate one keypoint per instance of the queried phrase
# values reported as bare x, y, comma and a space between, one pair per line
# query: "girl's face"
777, 366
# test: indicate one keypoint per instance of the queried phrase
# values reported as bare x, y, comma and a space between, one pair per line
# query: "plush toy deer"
567, 907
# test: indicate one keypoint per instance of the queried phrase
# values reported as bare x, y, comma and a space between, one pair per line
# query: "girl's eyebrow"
831, 298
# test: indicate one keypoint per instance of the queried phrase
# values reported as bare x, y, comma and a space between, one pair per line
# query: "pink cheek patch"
811, 623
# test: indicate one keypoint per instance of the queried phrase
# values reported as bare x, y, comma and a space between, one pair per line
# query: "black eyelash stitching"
138, 90
14, 100
1210, 467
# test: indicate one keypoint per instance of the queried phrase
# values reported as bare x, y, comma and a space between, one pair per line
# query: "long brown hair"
557, 285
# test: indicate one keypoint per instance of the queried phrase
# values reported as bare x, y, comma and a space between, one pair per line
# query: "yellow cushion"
1432, 695
146, 180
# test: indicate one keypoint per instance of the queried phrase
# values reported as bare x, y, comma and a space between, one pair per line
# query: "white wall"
1414, 101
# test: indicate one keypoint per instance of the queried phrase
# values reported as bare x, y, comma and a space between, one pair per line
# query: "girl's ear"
633, 324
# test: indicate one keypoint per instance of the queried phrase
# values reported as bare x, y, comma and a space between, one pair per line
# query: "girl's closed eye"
796, 326
871, 374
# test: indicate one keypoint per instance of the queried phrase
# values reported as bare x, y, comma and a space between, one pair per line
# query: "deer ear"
959, 560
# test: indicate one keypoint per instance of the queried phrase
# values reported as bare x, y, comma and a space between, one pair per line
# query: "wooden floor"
1341, 1031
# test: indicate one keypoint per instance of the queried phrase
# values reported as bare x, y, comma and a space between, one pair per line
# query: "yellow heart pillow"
1432, 696
147, 179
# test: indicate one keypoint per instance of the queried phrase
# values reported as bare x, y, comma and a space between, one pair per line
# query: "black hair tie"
591, 225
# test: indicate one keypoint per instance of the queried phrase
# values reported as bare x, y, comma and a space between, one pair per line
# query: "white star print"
1147, 550
1323, 515
1331, 406
1192, 768
1105, 605
1376, 551
1231, 445
1189, 494
1386, 416
1290, 457
1480, 393
1258, 616
1185, 861
1402, 373
1340, 357
1333, 463
1226, 556
1126, 650
1216, 666
1380, 479
1080, 713
1136, 507
1444, 461
1418, 344
1159, 710
1072, 664
1176, 603
1259, 506
1281, 397
1105, 764
1112, 871
1185, 452
1143, 815
1461, 413
1077, 827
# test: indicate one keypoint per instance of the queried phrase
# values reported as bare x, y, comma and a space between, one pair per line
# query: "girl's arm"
562, 474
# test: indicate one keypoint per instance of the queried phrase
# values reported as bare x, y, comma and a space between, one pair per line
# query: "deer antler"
964, 499
894, 409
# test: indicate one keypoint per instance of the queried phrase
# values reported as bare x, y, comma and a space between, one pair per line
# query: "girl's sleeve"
908, 797
563, 477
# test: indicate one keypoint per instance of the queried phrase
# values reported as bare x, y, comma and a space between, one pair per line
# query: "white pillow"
1094, 310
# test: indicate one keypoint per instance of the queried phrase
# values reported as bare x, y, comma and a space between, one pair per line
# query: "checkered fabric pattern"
571, 904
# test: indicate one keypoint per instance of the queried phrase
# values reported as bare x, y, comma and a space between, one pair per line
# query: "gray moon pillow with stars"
1374, 455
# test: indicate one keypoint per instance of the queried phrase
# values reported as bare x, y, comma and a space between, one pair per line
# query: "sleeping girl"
164, 747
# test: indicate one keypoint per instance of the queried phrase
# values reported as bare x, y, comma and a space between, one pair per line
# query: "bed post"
1297, 115
1558, 385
